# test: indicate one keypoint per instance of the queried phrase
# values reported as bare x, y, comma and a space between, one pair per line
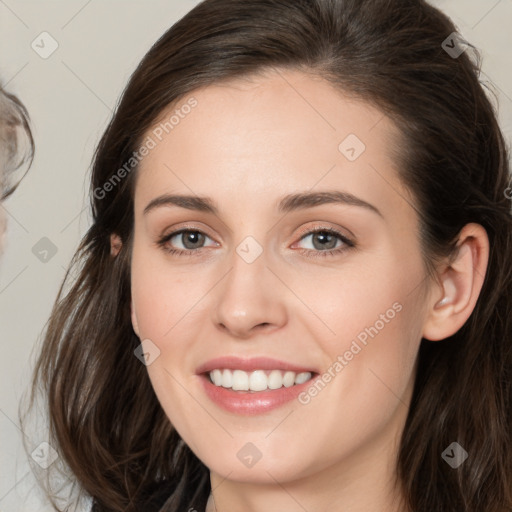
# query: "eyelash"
348, 244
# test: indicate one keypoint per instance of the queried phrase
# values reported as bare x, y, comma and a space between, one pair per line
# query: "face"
275, 287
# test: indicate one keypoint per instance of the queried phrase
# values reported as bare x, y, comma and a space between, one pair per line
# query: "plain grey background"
70, 95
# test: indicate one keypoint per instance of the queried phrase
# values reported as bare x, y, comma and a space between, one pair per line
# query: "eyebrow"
289, 203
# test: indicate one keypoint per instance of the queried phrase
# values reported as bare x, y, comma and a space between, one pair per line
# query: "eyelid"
303, 231
324, 227
186, 227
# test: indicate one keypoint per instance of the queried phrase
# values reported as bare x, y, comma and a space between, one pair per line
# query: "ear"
461, 281
133, 315
115, 244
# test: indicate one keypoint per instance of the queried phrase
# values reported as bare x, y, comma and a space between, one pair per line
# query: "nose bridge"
250, 295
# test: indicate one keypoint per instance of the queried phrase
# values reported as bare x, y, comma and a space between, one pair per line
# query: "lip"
250, 403
251, 364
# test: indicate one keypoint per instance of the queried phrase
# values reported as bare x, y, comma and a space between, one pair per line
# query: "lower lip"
251, 403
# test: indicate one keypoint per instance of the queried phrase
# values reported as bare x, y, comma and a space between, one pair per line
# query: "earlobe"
461, 283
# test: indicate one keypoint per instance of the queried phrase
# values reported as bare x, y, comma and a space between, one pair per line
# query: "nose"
250, 299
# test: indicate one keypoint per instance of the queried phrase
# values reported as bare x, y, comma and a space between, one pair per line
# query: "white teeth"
288, 379
258, 380
240, 381
275, 379
302, 377
217, 377
227, 378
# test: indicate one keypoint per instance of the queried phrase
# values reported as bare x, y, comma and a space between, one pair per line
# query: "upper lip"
250, 364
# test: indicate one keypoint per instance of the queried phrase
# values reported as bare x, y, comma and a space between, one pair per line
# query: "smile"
255, 385
258, 380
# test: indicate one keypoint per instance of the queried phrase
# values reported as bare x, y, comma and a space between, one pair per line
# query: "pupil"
191, 235
324, 239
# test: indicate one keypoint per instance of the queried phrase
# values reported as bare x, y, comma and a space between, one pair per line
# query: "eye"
190, 239
324, 241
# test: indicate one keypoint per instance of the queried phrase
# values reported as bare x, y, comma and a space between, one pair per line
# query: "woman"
296, 290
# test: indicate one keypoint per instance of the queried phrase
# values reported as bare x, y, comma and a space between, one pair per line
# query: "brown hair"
104, 416
16, 143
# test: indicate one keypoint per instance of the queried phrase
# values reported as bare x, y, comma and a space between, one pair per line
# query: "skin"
247, 144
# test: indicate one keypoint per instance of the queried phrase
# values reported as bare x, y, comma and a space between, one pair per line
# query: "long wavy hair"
104, 417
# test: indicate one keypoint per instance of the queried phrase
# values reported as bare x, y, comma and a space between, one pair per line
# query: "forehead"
261, 137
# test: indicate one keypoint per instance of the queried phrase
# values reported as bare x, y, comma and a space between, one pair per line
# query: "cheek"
355, 297
162, 297
374, 315
369, 371
166, 303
